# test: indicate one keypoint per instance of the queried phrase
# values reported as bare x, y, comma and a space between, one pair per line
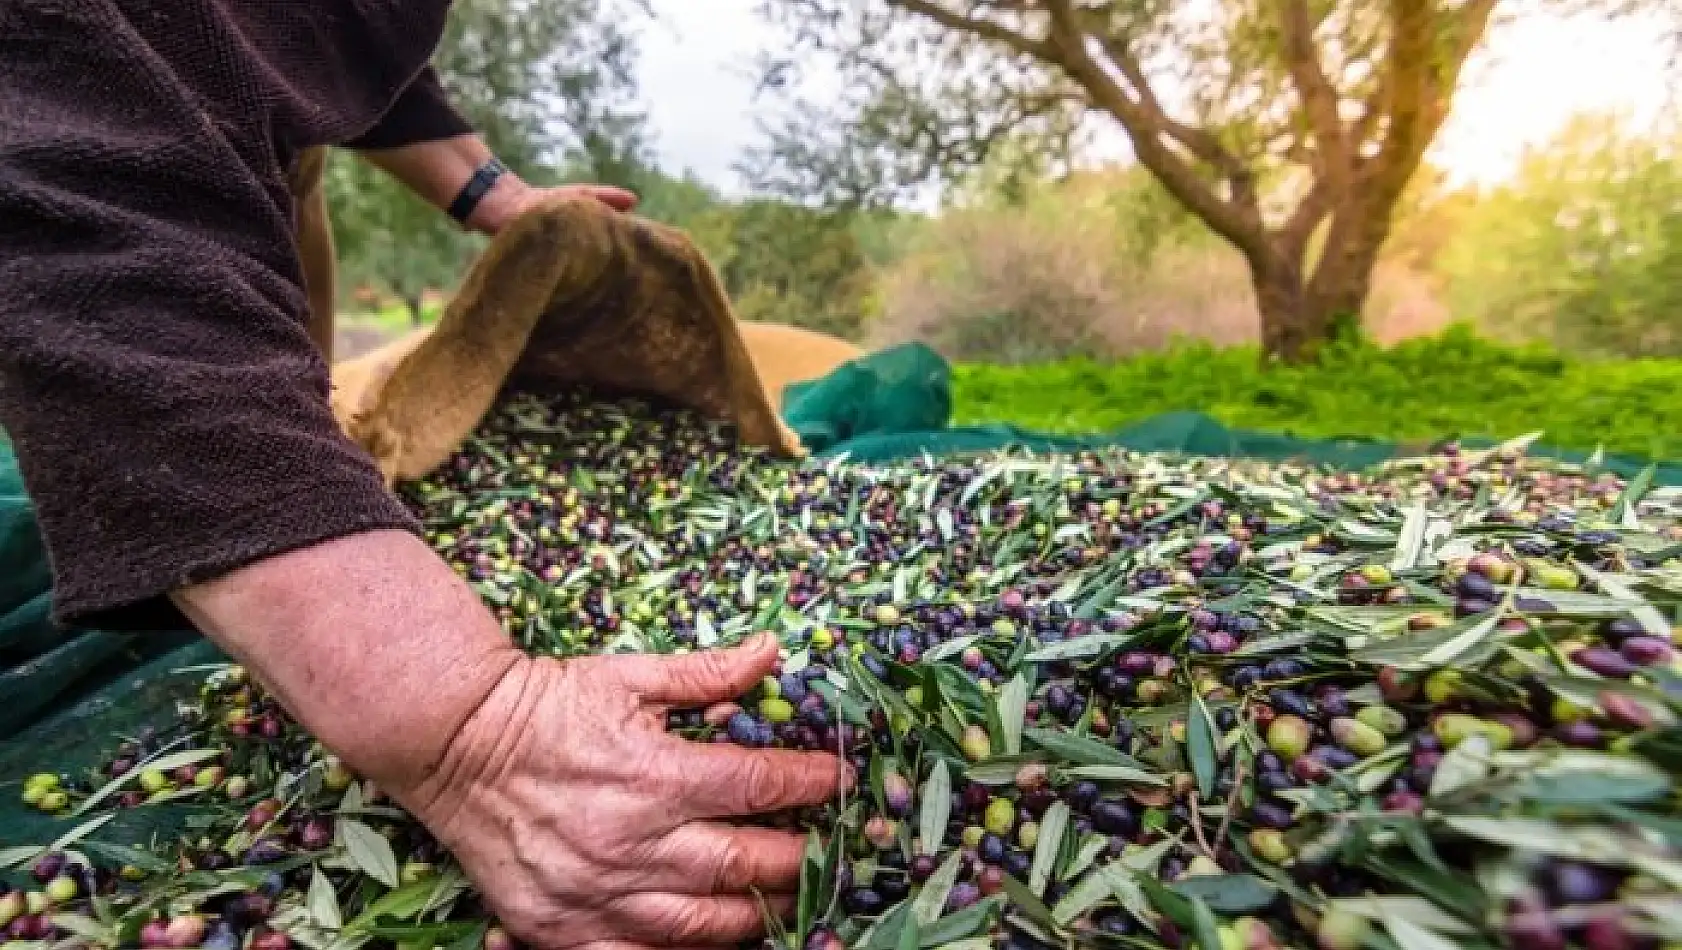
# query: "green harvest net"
66, 697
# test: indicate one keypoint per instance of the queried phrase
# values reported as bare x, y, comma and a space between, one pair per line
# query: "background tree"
1290, 128
1582, 248
550, 84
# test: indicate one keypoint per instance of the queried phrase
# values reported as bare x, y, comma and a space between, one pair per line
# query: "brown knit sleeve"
169, 413
423, 113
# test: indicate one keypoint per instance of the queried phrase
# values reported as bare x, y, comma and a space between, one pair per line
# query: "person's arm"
171, 420
425, 143
555, 784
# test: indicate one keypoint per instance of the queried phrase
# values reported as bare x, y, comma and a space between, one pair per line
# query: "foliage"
1450, 385
1277, 124
1103, 263
1582, 248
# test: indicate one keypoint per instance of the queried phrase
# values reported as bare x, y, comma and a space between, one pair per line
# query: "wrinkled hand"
585, 824
511, 197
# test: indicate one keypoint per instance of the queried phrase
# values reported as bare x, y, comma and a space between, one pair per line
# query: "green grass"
1453, 385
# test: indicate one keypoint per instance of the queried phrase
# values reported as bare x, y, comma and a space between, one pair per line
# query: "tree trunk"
413, 303
1296, 321
1300, 315
1290, 330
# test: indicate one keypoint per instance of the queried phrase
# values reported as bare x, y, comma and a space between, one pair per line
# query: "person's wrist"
500, 205
484, 745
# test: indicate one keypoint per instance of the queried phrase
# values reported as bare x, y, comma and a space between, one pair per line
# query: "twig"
1231, 806
1197, 825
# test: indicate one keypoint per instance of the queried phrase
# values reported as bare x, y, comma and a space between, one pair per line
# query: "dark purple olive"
1582, 734
893, 887
821, 938
1038, 800
1604, 661
922, 867
1269, 815
1289, 702
1114, 817
863, 901
1335, 758
1083, 795
1475, 586
1646, 651
1619, 629
249, 910
1572, 883
1467, 606
1114, 922
316, 834
962, 895
1018, 863
47, 867
265, 851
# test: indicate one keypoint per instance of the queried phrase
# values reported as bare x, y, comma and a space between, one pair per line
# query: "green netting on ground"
67, 697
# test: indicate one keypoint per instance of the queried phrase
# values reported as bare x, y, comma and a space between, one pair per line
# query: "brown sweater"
169, 413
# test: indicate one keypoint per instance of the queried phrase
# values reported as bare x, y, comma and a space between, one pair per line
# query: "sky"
696, 80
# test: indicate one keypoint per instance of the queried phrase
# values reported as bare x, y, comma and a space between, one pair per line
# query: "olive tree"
1289, 127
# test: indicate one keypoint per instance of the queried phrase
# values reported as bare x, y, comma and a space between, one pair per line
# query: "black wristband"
483, 178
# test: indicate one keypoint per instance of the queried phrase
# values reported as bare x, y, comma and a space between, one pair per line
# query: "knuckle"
698, 922
732, 866
714, 668
765, 786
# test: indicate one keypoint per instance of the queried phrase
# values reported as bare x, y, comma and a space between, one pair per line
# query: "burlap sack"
570, 293
784, 354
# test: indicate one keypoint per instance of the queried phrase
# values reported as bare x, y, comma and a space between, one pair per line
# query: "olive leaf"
1200, 745
1029, 903
1093, 644
1623, 510
322, 902
1052, 826
1013, 711
1084, 856
951, 648
934, 809
1120, 774
1464, 765
1229, 893
1411, 936
1086, 894
931, 900
369, 851
1078, 749
1410, 541
1204, 927
79, 832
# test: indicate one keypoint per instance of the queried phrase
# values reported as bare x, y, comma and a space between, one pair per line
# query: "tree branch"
1319, 98
1294, 235
1238, 220
976, 26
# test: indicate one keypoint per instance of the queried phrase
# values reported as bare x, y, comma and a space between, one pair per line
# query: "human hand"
586, 825
510, 197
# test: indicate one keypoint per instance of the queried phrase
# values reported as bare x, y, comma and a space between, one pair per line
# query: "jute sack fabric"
571, 293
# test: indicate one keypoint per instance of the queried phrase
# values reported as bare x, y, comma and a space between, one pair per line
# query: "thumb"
711, 676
